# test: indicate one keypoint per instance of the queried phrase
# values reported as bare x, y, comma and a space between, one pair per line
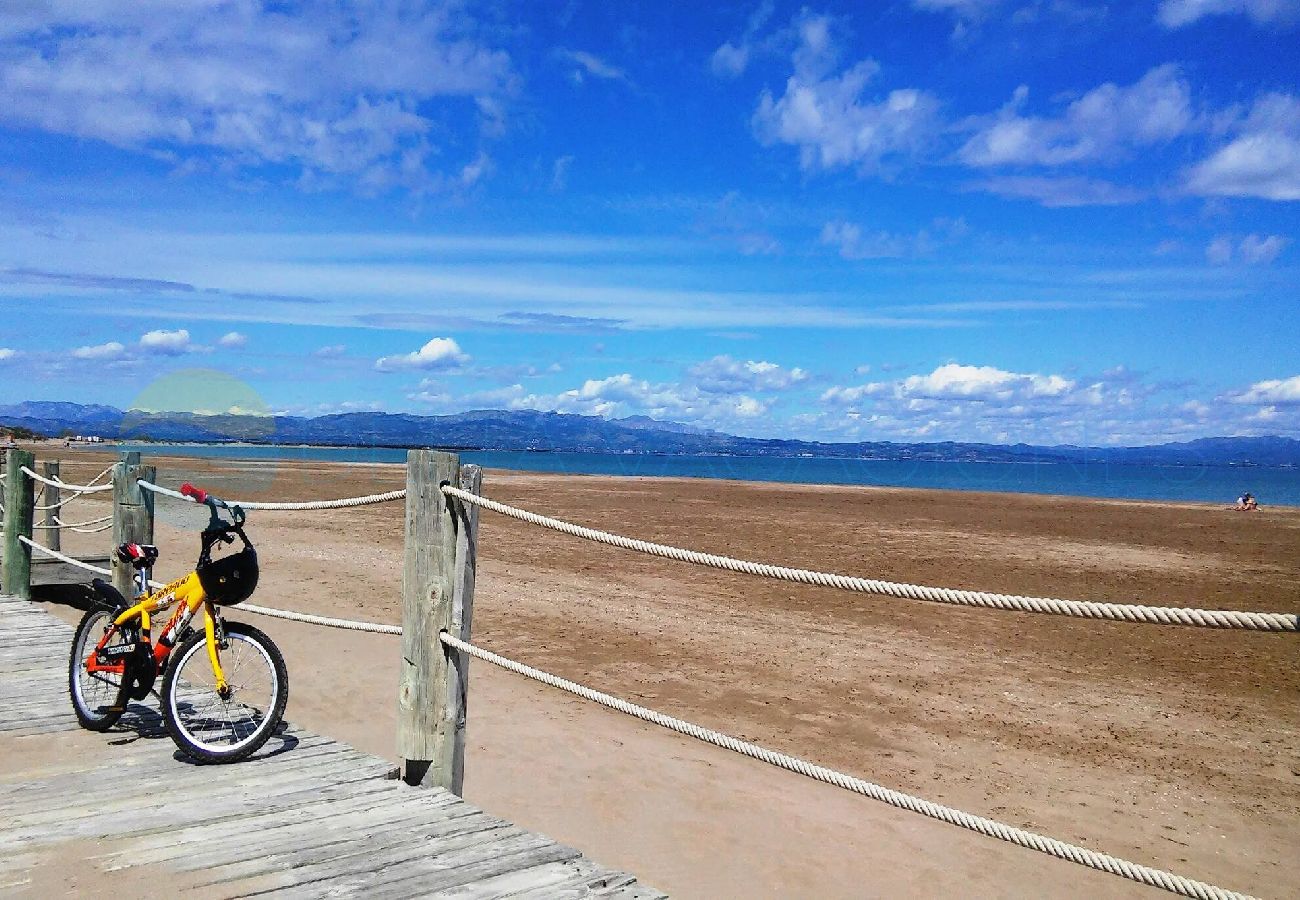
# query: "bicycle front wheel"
214, 726
99, 698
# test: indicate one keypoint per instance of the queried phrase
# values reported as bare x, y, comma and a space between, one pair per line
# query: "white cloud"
1278, 392
830, 120
321, 89
1058, 192
724, 375
731, 59
589, 64
1177, 13
852, 243
1263, 160
1104, 124
1253, 249
1257, 248
233, 339
168, 343
954, 381
329, 351
438, 353
111, 350
7, 353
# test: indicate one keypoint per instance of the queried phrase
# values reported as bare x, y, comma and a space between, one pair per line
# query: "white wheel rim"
94, 691
227, 725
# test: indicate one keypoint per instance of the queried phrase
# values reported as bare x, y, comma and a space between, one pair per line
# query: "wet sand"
1173, 747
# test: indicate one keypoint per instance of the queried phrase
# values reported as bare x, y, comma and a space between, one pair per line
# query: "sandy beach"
1172, 747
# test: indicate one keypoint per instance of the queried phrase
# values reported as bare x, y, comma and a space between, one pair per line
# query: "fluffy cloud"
168, 343
111, 350
1279, 392
7, 353
1104, 124
1177, 13
1253, 249
830, 120
732, 58
724, 375
1263, 160
981, 384
438, 353
232, 339
319, 87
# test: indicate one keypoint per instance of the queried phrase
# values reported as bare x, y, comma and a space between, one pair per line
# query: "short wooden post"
431, 691
53, 533
132, 515
20, 497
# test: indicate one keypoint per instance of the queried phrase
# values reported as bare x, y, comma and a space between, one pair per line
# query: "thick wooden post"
52, 532
430, 713
20, 497
132, 515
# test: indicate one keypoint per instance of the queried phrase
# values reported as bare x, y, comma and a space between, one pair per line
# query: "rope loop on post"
1117, 612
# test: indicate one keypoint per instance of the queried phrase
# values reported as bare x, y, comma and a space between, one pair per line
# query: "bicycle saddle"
140, 556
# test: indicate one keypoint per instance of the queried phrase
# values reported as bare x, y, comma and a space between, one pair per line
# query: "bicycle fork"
211, 626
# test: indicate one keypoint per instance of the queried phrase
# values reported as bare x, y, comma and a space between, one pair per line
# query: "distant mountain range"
497, 429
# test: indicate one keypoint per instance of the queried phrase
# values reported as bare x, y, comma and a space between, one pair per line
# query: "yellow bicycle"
224, 687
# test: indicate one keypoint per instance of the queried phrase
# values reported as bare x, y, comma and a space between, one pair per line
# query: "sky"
1044, 221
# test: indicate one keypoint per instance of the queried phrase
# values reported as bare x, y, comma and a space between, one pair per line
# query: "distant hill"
499, 429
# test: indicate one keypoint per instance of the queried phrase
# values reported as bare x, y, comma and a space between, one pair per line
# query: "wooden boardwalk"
306, 817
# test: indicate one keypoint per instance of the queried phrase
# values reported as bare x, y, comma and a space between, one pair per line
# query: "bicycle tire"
100, 711
197, 716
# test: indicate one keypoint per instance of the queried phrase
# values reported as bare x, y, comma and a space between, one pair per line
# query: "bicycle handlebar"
198, 495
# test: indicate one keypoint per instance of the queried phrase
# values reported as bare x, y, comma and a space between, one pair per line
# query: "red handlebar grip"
189, 490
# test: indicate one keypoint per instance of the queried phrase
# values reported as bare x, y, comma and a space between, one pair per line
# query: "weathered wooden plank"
316, 819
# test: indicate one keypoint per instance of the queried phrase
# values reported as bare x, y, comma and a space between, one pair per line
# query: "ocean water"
1210, 484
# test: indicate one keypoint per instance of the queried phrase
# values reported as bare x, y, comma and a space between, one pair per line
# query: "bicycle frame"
187, 595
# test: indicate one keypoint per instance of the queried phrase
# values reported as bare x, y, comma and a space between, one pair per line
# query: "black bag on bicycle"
230, 579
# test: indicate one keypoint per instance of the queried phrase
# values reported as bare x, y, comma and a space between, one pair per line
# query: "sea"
1196, 483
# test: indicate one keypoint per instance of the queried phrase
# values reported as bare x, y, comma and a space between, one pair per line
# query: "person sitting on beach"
1247, 502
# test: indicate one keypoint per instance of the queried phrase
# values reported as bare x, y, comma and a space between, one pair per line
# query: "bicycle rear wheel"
214, 727
98, 698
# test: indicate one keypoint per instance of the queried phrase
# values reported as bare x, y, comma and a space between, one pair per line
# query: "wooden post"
53, 533
471, 480
20, 497
430, 697
132, 515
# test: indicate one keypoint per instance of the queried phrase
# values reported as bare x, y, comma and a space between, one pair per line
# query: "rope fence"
1223, 619
1120, 612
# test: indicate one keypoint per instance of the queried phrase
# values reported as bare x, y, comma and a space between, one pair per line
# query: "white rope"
80, 527
327, 621
78, 488
1145, 875
72, 561
289, 505
1121, 612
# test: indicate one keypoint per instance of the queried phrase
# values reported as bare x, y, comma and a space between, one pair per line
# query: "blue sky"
999, 220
